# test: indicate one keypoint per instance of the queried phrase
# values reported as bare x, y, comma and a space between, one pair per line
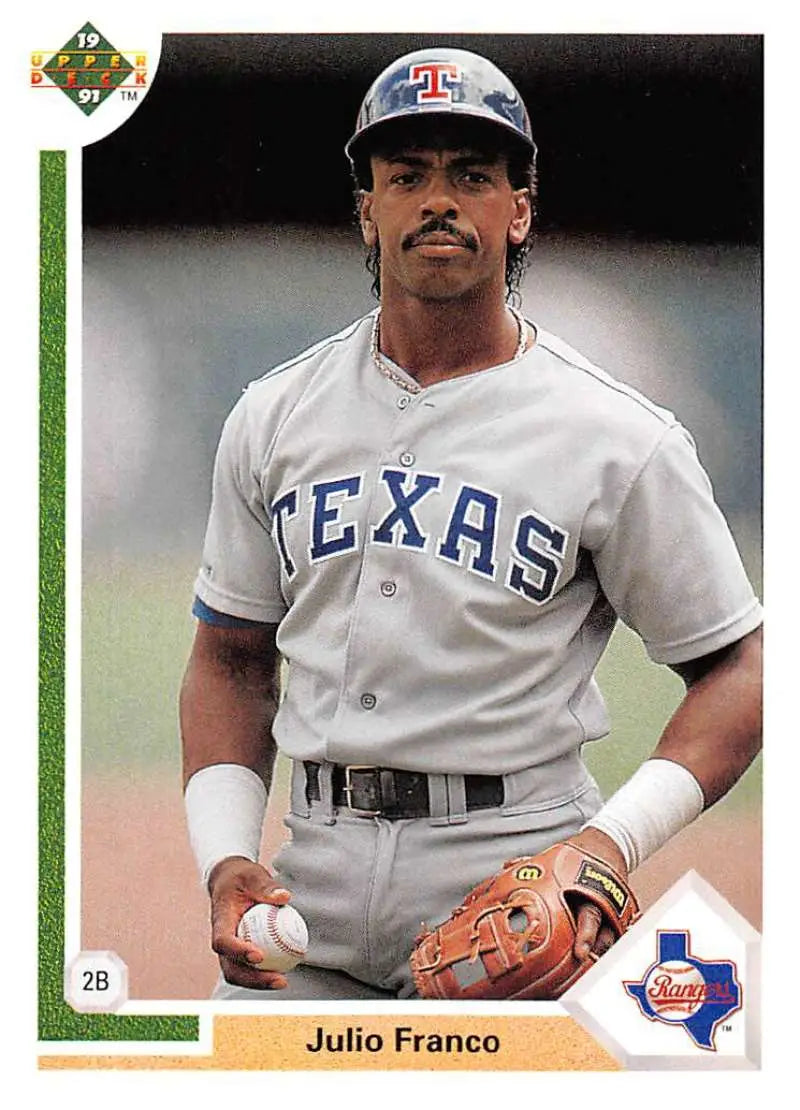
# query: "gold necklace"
415, 387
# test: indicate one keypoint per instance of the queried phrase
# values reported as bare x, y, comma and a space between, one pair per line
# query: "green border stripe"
57, 1020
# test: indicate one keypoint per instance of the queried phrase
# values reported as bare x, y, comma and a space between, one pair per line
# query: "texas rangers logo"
680, 989
432, 75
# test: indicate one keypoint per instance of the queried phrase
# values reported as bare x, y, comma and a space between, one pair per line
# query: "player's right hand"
235, 885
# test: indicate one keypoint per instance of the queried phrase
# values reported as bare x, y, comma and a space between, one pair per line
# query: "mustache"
439, 224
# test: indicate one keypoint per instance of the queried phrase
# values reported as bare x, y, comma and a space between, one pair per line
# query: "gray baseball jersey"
446, 568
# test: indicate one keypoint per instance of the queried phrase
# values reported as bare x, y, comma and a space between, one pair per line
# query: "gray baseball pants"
366, 885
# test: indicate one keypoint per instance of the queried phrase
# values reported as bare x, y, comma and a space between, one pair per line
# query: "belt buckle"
349, 788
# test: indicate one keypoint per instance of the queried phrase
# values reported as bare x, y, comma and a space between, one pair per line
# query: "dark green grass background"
57, 1020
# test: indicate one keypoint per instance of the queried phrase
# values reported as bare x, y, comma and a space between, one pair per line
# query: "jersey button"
404, 401
368, 701
388, 588
407, 458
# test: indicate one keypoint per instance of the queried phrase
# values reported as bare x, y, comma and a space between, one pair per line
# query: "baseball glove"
513, 934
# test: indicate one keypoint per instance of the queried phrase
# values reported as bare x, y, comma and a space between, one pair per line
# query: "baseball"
280, 933
676, 990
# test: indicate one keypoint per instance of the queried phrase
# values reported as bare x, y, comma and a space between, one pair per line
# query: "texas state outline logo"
679, 988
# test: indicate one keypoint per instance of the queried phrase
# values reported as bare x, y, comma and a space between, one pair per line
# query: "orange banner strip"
377, 1043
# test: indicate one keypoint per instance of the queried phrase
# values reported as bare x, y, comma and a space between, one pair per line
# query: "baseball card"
393, 423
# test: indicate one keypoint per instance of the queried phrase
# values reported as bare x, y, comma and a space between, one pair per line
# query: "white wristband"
659, 800
225, 806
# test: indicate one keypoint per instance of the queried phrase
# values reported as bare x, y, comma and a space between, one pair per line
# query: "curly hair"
521, 175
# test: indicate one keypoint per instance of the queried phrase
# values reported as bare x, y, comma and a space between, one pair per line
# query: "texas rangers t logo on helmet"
431, 75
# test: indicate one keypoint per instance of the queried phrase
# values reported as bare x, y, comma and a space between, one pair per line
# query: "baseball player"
435, 518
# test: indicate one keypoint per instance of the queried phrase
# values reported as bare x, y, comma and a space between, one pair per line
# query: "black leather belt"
381, 792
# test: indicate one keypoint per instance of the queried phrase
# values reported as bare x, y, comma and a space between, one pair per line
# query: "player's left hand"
516, 935
592, 937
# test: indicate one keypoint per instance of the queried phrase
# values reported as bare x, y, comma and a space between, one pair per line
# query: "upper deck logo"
681, 989
88, 69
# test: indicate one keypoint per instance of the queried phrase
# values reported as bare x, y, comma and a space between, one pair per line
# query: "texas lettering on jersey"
531, 568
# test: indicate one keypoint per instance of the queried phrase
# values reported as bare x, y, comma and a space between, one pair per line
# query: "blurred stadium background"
219, 240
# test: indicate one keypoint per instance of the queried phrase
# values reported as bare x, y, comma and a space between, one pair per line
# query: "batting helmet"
446, 82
